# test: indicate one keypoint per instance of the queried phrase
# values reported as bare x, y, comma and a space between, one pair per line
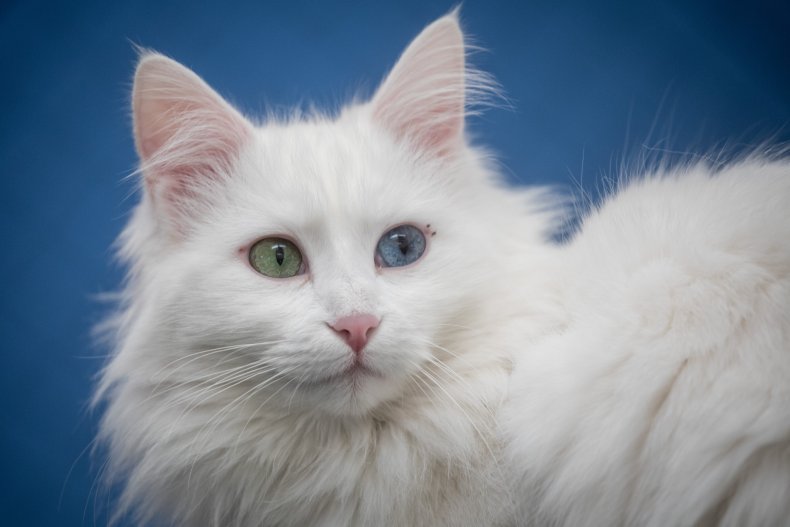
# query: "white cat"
352, 321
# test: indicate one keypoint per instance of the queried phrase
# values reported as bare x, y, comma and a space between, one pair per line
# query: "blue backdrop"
591, 83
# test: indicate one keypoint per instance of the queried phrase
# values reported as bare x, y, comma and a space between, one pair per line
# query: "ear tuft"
422, 100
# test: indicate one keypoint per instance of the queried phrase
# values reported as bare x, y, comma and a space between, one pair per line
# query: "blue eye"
401, 246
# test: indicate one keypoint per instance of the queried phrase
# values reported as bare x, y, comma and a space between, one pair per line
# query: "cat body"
502, 380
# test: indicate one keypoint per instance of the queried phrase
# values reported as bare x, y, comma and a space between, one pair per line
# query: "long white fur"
664, 399
651, 354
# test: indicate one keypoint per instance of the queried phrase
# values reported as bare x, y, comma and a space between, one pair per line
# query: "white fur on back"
664, 396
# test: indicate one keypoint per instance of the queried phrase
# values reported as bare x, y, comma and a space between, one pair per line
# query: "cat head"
323, 257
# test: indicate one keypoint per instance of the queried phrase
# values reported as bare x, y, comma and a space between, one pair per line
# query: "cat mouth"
354, 374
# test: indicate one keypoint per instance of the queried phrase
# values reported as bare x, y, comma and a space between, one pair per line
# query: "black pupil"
279, 254
403, 243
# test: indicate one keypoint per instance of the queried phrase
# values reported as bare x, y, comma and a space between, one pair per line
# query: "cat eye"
400, 246
276, 257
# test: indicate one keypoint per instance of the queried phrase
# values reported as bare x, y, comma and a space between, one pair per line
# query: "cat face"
349, 330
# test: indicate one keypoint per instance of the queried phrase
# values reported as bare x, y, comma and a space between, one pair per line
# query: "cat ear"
422, 99
186, 135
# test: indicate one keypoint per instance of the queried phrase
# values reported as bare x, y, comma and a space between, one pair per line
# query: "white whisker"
192, 357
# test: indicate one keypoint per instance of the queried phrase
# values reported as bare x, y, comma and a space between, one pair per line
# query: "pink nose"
356, 329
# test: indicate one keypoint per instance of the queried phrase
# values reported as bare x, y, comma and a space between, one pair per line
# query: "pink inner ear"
438, 132
422, 99
188, 137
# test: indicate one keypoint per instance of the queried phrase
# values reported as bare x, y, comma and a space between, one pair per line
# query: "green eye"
276, 257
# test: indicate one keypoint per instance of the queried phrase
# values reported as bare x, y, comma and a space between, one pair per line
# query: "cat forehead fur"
331, 182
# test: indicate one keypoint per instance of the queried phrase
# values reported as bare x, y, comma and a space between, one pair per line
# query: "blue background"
591, 82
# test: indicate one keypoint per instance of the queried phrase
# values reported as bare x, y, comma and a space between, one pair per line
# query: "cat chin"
350, 394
